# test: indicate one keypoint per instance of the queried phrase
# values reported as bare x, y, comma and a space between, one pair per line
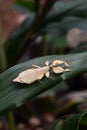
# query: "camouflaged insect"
31, 75
37, 73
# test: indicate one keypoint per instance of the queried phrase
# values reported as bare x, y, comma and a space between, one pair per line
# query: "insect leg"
66, 63
47, 63
36, 66
66, 70
47, 74
40, 81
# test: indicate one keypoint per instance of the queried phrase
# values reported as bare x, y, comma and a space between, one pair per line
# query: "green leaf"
51, 92
59, 125
13, 95
66, 24
82, 47
62, 9
25, 4
74, 23
80, 11
66, 10
55, 41
73, 122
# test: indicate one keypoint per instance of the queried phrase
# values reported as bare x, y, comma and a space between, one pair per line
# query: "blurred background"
34, 28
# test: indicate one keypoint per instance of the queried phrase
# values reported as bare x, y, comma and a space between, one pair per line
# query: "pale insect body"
31, 75
37, 73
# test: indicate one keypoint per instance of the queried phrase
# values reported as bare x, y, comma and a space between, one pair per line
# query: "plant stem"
11, 120
38, 22
3, 61
37, 5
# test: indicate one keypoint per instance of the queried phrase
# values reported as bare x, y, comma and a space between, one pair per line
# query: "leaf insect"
31, 75
37, 73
